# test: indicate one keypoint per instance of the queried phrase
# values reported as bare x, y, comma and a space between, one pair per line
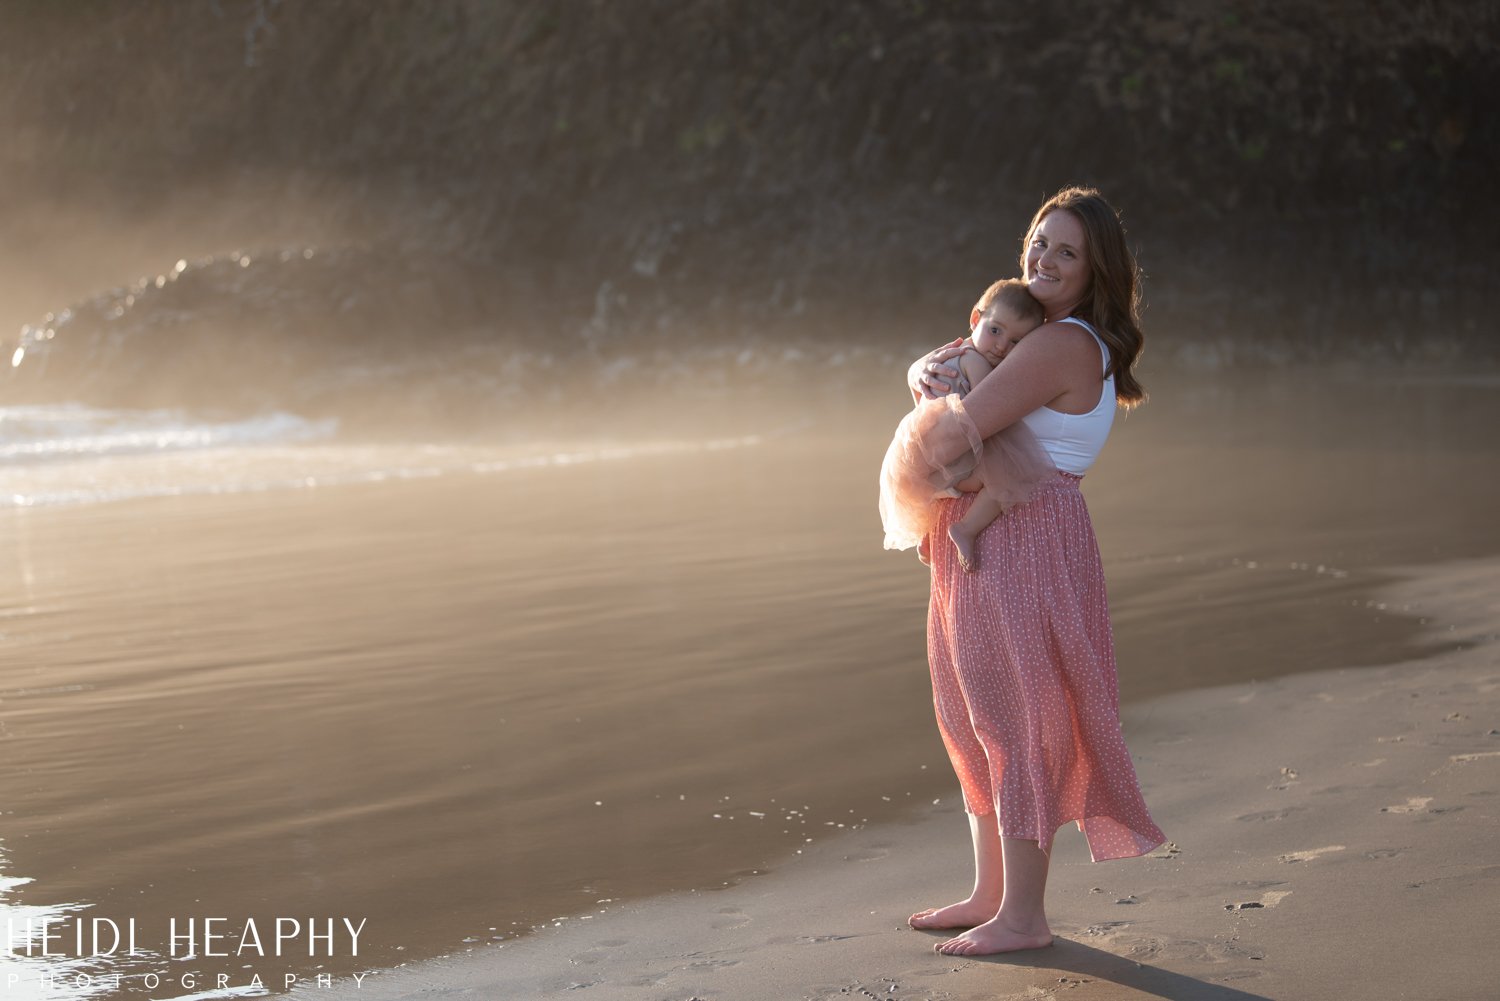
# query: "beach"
491, 697
1332, 838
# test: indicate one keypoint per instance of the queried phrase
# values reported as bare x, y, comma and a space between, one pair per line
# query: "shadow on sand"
1085, 961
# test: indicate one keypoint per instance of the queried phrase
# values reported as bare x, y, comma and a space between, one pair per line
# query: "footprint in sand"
1413, 804
1219, 954
854, 990
1268, 899
1309, 855
872, 854
1288, 778
1339, 790
597, 952
1105, 928
1264, 815
731, 917
712, 964
662, 978
1143, 949
652, 979
1460, 758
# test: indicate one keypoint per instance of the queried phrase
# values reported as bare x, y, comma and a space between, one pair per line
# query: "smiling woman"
1076, 263
1021, 651
1053, 263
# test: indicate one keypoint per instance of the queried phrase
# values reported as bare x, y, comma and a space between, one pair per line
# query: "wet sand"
465, 707
1333, 838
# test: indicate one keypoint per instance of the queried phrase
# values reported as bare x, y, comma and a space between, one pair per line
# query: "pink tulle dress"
937, 446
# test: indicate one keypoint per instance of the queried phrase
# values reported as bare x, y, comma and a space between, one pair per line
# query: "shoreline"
1327, 834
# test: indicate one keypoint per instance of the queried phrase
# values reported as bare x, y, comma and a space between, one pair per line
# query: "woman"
1021, 655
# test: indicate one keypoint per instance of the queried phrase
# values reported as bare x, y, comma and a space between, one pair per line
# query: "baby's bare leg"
965, 531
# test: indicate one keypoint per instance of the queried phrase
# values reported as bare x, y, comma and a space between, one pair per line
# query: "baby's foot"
995, 936
924, 550
964, 914
964, 543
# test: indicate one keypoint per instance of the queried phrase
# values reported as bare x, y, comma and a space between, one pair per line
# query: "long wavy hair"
1112, 304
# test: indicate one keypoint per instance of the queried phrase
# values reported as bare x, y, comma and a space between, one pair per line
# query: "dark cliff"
1302, 168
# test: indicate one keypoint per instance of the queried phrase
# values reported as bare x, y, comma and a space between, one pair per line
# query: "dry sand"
1333, 837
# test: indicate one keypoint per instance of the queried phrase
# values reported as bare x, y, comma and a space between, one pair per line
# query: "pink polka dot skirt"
1023, 677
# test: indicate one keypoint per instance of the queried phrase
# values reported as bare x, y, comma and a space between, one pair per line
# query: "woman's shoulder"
1061, 337
1069, 324
1060, 354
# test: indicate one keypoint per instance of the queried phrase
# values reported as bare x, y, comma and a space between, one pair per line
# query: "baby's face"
997, 330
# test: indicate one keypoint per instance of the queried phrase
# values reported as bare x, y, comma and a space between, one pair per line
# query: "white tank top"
1073, 441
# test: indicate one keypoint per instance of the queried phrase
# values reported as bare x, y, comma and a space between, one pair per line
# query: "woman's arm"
1054, 364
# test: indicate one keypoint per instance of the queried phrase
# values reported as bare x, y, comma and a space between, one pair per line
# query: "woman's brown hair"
1112, 304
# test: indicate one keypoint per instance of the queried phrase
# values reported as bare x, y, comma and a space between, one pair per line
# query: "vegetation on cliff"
645, 164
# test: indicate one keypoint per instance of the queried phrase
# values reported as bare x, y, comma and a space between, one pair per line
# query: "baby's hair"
1012, 292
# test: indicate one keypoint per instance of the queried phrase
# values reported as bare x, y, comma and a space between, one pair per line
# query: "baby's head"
1002, 316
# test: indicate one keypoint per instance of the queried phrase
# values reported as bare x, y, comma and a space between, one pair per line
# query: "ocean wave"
289, 466
66, 432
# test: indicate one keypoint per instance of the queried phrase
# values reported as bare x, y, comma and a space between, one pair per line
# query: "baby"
1004, 466
1002, 316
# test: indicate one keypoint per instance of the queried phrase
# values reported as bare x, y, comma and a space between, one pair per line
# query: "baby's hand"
937, 378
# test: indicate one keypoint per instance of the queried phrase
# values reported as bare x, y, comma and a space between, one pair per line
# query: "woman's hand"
929, 377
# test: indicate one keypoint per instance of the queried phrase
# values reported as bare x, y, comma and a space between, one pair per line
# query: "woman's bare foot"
964, 543
964, 914
996, 935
